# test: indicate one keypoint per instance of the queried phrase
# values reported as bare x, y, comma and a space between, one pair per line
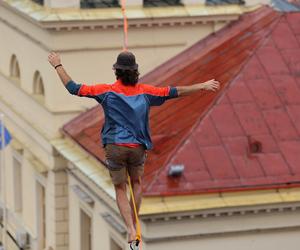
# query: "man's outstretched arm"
90, 91
211, 85
55, 61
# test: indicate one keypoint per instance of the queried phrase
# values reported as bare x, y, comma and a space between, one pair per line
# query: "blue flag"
6, 137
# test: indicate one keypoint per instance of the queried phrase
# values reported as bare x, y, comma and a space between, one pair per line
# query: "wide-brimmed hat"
126, 60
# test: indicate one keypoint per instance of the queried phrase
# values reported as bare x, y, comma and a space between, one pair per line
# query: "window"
41, 216
85, 231
41, 2
159, 3
99, 3
15, 68
38, 87
221, 2
17, 181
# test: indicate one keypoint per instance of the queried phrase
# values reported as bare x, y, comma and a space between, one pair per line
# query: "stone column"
62, 3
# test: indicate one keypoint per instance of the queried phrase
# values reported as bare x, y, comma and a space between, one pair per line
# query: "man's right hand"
54, 59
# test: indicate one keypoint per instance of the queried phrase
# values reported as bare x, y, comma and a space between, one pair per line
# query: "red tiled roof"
257, 60
296, 2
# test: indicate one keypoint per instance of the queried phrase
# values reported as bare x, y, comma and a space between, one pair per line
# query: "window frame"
17, 157
14, 69
40, 183
84, 210
161, 3
38, 87
88, 4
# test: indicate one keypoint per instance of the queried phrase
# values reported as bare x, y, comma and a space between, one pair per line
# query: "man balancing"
126, 133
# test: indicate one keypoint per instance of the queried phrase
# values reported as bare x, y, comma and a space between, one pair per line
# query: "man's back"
126, 109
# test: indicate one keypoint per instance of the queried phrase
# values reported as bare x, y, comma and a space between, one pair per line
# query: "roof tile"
225, 121
247, 167
273, 164
206, 135
254, 70
280, 124
293, 111
293, 20
236, 146
264, 93
292, 59
238, 150
287, 88
251, 118
272, 61
239, 93
286, 41
196, 161
224, 99
219, 162
291, 152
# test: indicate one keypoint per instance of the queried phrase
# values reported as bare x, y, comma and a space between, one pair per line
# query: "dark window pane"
41, 2
156, 3
99, 3
220, 2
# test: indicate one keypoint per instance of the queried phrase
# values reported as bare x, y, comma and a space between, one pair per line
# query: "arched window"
15, 68
38, 87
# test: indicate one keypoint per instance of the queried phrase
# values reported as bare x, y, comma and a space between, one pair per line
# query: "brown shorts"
120, 159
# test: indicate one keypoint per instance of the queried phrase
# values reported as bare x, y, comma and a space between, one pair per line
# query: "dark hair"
127, 76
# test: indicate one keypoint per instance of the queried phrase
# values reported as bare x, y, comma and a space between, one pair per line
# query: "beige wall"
26, 219
277, 240
101, 231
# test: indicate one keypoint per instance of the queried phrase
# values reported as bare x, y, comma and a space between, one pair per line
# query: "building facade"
41, 190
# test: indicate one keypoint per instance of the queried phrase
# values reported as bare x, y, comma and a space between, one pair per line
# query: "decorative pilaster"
59, 214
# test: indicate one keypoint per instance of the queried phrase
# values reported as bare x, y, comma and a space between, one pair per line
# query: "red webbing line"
125, 47
125, 26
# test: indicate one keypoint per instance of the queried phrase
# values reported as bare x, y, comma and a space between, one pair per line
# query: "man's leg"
125, 210
136, 172
116, 157
138, 194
